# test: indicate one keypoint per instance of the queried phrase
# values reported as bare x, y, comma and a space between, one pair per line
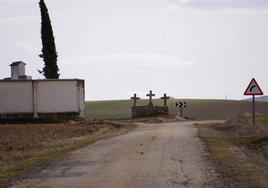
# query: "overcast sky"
186, 48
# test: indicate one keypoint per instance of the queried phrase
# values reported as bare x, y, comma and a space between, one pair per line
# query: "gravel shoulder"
162, 155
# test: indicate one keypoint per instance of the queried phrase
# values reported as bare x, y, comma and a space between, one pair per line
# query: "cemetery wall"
42, 99
143, 111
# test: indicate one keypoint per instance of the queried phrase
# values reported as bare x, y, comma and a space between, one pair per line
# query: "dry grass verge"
24, 146
239, 151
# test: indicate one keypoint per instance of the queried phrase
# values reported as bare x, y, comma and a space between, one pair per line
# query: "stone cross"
150, 95
165, 98
135, 98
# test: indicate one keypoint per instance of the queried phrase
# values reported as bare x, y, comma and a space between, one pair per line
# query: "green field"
198, 109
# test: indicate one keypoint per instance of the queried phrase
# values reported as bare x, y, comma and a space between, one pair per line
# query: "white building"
40, 99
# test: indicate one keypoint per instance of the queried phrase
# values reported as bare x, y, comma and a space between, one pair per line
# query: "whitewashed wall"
42, 96
16, 97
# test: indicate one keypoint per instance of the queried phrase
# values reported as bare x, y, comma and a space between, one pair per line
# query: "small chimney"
18, 71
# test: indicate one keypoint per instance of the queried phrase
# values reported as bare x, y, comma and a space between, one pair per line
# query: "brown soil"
29, 136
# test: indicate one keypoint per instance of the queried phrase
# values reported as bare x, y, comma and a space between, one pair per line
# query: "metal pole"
181, 112
253, 111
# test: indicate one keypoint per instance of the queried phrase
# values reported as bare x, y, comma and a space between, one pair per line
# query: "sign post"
253, 89
253, 111
181, 105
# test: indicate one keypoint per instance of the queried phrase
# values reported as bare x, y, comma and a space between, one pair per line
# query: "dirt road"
152, 156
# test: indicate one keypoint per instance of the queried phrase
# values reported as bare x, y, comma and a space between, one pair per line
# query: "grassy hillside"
196, 108
261, 99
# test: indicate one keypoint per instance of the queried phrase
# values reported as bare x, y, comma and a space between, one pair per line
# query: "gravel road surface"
162, 155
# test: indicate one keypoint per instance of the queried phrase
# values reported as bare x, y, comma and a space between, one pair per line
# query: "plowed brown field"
30, 136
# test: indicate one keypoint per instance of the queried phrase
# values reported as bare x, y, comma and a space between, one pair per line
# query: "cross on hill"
150, 95
135, 98
165, 98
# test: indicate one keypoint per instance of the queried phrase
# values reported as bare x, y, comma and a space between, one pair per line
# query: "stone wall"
149, 110
42, 99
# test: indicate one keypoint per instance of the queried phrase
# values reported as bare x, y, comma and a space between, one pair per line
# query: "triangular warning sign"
253, 88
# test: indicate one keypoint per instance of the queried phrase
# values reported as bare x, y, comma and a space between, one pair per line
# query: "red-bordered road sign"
253, 88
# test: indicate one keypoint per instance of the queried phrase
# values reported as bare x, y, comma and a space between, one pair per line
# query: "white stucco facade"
42, 97
16, 97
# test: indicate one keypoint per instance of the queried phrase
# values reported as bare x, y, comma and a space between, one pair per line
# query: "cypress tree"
49, 53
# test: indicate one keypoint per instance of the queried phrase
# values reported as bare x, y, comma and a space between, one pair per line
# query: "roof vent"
18, 71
